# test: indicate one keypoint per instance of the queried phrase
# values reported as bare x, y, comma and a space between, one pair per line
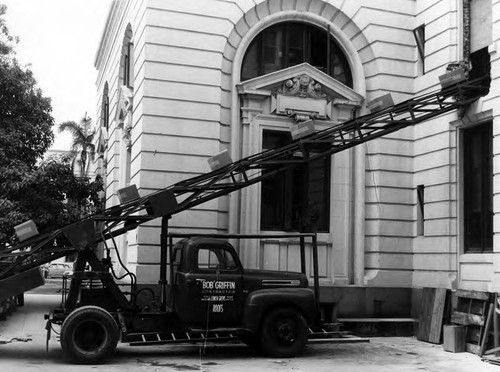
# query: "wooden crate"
454, 338
470, 311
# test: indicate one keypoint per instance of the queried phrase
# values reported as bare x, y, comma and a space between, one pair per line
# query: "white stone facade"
186, 101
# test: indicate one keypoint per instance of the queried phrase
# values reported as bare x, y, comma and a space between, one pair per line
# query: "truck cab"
211, 290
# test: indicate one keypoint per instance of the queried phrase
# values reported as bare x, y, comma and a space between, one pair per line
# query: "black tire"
89, 335
283, 333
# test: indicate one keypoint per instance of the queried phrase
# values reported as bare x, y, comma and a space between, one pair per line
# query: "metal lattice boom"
189, 193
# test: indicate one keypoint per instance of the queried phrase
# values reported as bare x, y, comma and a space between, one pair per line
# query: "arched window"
291, 43
128, 72
105, 107
127, 60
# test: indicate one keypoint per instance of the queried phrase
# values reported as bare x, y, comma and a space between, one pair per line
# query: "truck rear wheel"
284, 333
89, 335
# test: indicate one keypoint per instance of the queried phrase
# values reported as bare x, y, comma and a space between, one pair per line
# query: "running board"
345, 339
331, 333
316, 336
155, 338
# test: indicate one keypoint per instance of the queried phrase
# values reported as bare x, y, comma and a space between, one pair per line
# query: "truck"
212, 297
203, 293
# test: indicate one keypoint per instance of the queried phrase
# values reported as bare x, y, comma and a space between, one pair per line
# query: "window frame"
211, 249
419, 35
309, 34
105, 107
420, 210
127, 65
289, 203
486, 203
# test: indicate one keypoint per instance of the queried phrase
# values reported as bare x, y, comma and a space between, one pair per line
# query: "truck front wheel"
89, 335
283, 333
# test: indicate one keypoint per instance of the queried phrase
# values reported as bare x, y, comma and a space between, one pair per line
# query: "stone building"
182, 80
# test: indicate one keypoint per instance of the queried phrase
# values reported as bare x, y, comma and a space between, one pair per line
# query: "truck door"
213, 288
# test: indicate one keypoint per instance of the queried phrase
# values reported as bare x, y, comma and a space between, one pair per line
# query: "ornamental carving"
127, 135
125, 103
302, 86
124, 113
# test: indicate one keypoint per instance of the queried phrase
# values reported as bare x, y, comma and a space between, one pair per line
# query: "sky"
59, 39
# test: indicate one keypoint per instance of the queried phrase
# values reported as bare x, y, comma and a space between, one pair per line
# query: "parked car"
59, 269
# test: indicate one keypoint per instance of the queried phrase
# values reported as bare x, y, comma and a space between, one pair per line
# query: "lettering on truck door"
216, 291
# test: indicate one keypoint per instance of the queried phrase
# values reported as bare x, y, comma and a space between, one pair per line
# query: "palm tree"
83, 137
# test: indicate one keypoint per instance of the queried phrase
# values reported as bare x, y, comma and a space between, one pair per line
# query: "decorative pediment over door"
275, 103
302, 92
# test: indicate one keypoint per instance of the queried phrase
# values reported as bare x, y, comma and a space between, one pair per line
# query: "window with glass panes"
297, 199
291, 43
478, 188
105, 107
128, 66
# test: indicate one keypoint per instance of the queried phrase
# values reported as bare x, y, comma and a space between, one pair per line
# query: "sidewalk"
23, 335
22, 346
27, 322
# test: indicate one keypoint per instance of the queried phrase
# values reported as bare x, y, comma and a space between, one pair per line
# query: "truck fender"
260, 302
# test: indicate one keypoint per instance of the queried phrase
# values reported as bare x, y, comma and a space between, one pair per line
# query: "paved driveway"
26, 352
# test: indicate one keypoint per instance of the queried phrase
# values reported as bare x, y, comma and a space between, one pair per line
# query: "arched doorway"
293, 75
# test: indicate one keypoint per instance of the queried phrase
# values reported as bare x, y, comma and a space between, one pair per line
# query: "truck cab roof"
205, 253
